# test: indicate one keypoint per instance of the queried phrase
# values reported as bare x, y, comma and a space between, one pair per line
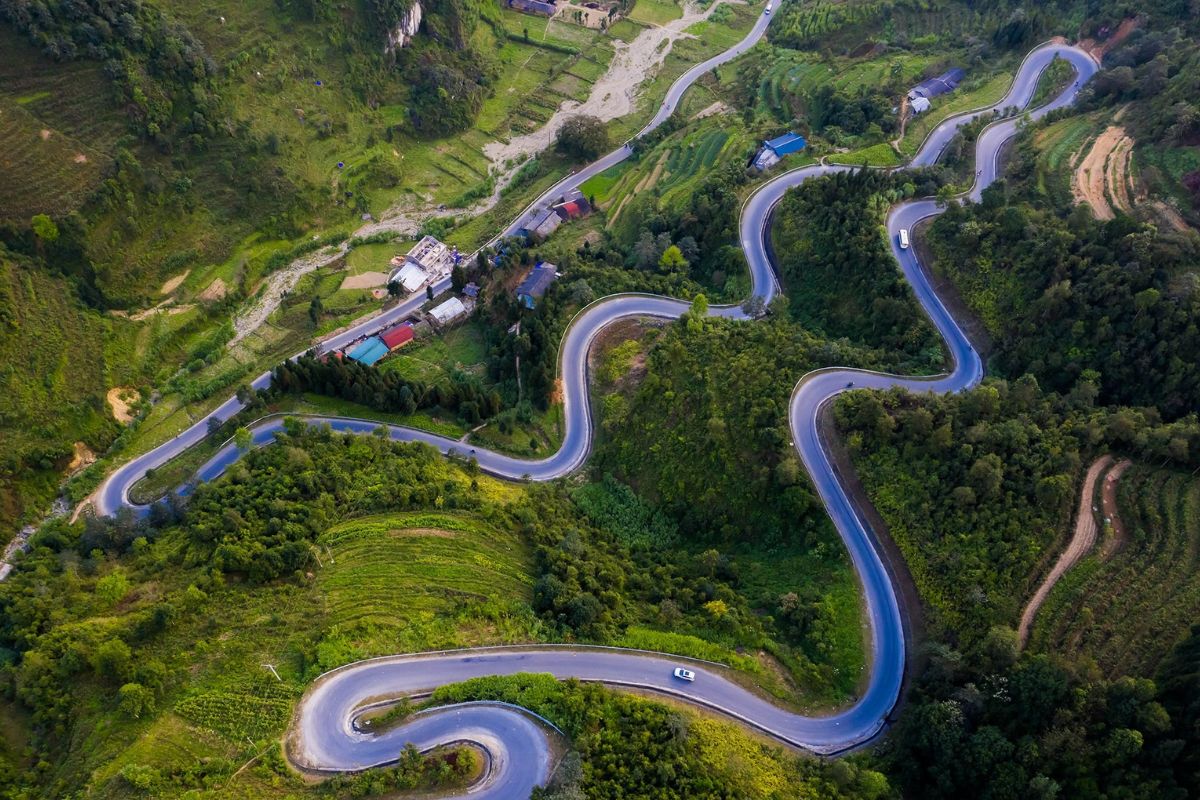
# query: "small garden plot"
655, 12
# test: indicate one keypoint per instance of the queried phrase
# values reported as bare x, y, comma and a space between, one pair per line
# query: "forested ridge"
838, 270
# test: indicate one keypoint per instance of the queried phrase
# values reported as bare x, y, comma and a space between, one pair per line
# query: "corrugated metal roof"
369, 351
451, 309
395, 336
538, 280
788, 143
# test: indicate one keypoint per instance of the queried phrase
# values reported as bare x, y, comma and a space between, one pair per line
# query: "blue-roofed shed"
788, 143
369, 351
536, 283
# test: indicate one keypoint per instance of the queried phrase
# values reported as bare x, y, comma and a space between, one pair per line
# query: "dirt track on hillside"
1082, 541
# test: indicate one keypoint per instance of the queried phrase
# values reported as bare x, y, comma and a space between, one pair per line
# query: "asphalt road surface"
325, 738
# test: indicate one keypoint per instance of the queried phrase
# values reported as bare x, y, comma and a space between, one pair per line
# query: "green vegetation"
1040, 727
1126, 603
1052, 81
1083, 305
627, 745
53, 378
655, 12
837, 267
977, 489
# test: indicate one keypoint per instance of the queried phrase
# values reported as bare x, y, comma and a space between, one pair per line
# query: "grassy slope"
437, 579
1126, 610
53, 378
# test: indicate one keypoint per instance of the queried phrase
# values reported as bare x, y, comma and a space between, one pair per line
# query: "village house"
919, 96
536, 283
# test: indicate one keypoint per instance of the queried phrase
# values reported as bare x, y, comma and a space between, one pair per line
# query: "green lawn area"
655, 12
374, 257
965, 99
460, 348
878, 155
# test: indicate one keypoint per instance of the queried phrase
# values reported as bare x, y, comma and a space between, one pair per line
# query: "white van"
904, 238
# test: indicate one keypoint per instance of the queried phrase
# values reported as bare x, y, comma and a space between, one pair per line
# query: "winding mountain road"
324, 736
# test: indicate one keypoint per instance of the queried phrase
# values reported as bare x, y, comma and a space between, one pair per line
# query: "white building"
448, 311
919, 104
410, 276
428, 261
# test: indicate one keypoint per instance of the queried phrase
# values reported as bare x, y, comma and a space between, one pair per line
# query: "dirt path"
1082, 541
1108, 505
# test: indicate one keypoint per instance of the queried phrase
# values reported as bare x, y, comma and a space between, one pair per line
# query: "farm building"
536, 283
775, 149
943, 84
369, 351
919, 104
471, 290
545, 9
543, 224
448, 311
573, 209
397, 335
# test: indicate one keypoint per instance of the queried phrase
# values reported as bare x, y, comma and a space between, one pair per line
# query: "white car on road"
684, 674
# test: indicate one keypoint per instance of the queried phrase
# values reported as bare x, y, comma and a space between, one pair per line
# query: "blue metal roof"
788, 143
369, 351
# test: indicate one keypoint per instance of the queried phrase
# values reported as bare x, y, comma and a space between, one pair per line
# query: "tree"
44, 228
672, 260
458, 278
583, 137
429, 292
242, 439
315, 309
135, 699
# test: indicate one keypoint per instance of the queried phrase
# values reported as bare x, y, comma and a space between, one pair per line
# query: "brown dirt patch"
1170, 215
439, 533
80, 458
712, 110
173, 284
80, 158
120, 407
215, 291
1098, 50
45, 134
1104, 167
365, 280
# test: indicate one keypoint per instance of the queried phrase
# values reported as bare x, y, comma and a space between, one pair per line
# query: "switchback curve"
324, 737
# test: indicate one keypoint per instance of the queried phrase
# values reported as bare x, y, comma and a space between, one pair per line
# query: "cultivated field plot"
673, 169
56, 130
1126, 609
792, 72
425, 578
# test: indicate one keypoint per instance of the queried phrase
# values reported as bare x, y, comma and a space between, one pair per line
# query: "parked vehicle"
684, 674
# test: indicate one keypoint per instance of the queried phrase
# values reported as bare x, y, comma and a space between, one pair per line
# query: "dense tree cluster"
838, 269
995, 727
383, 391
582, 137
1078, 303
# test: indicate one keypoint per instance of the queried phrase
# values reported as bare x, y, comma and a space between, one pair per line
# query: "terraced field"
1126, 610
429, 580
672, 169
56, 132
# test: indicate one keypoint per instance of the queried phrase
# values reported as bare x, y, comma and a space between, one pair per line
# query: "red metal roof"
394, 337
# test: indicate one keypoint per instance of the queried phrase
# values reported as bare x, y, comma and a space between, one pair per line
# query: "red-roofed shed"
394, 337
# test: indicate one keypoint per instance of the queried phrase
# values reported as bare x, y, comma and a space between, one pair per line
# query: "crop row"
1124, 611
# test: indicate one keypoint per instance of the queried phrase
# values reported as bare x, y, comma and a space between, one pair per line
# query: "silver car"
684, 674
